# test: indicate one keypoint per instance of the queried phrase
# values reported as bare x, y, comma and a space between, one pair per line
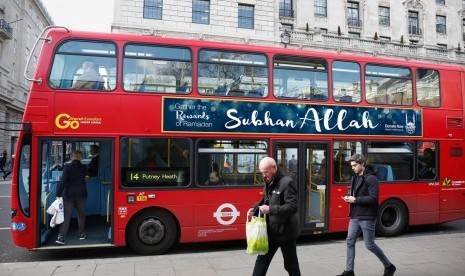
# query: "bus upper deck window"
428, 88
388, 85
161, 69
346, 82
84, 65
232, 74
300, 78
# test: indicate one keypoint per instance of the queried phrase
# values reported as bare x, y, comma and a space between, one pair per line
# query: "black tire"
393, 218
151, 232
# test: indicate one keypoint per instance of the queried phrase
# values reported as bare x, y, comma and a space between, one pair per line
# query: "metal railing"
354, 22
286, 13
6, 27
337, 43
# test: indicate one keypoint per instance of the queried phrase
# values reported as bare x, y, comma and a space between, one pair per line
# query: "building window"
440, 2
323, 30
383, 14
246, 16
440, 24
153, 9
353, 15
321, 8
285, 8
442, 46
201, 11
384, 39
413, 23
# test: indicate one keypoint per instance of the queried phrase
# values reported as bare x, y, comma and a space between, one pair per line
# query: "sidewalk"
437, 254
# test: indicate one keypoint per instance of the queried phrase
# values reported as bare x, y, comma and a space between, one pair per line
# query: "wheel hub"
151, 231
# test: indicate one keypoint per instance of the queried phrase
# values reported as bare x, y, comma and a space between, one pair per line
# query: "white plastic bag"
257, 236
57, 211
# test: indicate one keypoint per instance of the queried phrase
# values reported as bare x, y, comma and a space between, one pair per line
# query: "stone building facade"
429, 30
21, 22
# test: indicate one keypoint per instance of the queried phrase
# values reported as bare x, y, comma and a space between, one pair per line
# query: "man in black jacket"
72, 188
279, 204
363, 202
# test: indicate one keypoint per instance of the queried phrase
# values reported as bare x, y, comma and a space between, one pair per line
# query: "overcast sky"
87, 15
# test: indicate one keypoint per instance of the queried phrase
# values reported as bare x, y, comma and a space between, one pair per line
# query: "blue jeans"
289, 250
368, 228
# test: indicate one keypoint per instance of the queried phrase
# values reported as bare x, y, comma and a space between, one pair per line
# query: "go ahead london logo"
66, 121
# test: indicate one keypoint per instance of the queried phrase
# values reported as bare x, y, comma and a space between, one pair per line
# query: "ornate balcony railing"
286, 13
354, 22
6, 31
332, 42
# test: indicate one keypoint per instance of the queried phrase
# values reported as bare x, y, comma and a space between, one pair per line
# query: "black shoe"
4, 178
60, 240
389, 270
82, 236
347, 273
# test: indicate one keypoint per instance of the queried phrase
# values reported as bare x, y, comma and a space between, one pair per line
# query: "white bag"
57, 210
257, 236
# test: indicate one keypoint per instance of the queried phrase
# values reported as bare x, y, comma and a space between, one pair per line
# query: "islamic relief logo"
446, 182
410, 126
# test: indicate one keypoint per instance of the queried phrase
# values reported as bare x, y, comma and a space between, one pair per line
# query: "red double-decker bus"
168, 115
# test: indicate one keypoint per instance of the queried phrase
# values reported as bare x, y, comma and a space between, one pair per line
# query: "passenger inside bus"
90, 77
342, 170
426, 166
152, 159
92, 167
214, 179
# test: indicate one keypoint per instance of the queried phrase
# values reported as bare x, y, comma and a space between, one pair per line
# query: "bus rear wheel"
151, 232
393, 218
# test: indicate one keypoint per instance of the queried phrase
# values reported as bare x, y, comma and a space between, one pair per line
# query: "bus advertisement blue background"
226, 116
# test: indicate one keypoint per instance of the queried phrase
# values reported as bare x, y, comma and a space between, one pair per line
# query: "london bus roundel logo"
64, 120
226, 214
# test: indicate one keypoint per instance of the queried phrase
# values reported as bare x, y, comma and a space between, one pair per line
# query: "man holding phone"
363, 200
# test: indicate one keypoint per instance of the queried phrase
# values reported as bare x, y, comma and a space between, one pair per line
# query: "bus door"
306, 163
54, 155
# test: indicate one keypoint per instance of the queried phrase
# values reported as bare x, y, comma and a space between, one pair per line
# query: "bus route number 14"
134, 176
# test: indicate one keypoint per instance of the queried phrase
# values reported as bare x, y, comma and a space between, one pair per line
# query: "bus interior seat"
183, 88
383, 172
319, 97
222, 90
346, 99
99, 85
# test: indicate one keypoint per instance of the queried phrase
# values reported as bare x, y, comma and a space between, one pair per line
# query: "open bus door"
306, 163
54, 154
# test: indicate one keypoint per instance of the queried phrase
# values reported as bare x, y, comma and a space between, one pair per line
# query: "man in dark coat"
279, 204
363, 202
72, 188
92, 167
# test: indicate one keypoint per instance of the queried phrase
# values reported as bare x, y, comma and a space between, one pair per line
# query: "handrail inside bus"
48, 39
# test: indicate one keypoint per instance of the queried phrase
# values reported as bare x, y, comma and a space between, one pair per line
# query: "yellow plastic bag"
257, 237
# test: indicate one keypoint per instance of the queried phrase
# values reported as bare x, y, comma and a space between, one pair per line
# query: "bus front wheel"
393, 218
151, 232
